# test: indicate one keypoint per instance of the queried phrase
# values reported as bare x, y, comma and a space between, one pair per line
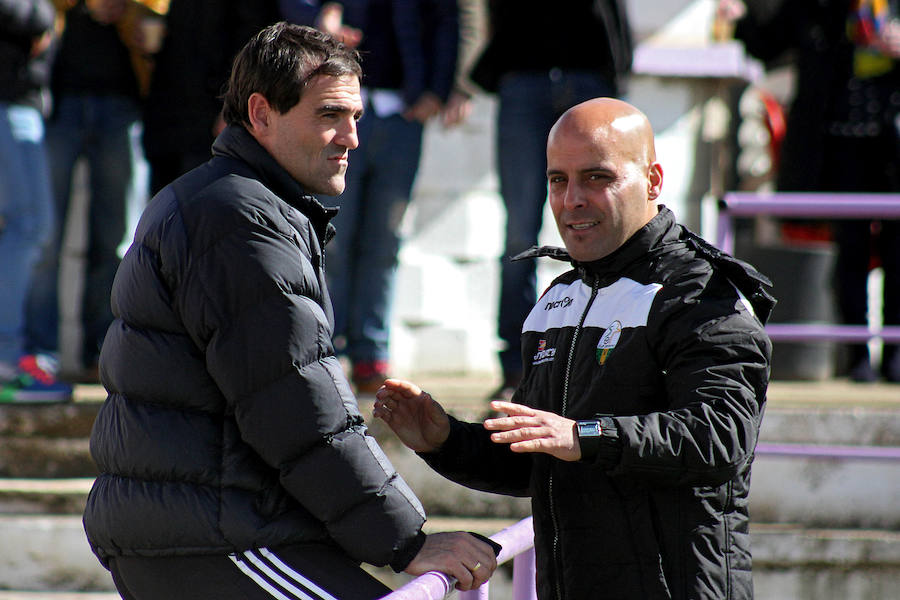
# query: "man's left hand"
528, 430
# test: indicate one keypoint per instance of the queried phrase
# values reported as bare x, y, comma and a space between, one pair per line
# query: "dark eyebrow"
336, 108
594, 169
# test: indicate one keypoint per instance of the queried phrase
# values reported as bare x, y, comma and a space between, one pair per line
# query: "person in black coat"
646, 366
843, 135
232, 453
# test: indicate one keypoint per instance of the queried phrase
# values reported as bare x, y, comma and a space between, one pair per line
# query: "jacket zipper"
595, 286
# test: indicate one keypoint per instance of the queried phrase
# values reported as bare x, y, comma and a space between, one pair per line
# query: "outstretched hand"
413, 415
458, 554
529, 430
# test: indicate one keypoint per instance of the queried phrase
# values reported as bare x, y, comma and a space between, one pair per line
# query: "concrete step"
42, 554
44, 496
48, 552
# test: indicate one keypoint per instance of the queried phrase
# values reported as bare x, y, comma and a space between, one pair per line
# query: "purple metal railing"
829, 452
810, 205
518, 540
518, 543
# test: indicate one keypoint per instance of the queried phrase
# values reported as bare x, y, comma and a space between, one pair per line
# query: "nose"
347, 135
573, 198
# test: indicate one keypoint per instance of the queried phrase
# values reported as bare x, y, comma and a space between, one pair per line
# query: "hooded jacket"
229, 424
665, 335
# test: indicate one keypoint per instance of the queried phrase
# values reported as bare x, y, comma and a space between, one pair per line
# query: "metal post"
523, 576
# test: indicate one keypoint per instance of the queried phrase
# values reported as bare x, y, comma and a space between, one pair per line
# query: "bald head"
603, 176
609, 121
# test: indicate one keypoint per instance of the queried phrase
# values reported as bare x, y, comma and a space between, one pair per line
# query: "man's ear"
654, 181
258, 109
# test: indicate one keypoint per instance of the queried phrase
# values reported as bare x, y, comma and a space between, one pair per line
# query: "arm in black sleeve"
716, 374
470, 458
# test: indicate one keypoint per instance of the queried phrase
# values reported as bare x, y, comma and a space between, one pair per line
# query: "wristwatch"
593, 433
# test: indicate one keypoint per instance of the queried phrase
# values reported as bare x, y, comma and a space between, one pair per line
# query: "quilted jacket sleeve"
252, 298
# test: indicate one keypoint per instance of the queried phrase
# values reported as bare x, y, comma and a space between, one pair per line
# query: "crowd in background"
114, 83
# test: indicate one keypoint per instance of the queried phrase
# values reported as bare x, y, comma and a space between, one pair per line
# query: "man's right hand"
458, 554
413, 415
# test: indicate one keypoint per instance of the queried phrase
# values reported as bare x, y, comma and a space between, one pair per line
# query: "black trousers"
310, 572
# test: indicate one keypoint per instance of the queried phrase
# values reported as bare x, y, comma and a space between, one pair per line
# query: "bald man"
647, 364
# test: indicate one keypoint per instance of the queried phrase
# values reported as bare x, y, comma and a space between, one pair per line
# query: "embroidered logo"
608, 341
544, 354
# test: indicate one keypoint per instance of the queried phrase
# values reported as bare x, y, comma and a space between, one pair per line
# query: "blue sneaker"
35, 382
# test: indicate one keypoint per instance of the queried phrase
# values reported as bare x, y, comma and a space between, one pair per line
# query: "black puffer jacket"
657, 335
229, 423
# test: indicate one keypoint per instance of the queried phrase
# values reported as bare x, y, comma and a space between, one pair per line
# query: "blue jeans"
529, 105
105, 131
26, 211
361, 261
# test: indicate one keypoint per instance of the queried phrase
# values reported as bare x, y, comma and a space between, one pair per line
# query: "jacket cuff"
606, 453
404, 555
605, 449
448, 455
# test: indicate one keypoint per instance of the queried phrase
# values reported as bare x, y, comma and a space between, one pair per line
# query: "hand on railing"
460, 555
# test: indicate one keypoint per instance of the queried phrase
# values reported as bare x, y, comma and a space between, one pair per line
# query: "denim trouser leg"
101, 129
529, 105
339, 266
26, 207
112, 160
362, 264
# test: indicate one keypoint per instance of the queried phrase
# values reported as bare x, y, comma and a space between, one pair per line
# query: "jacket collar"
655, 238
638, 247
236, 142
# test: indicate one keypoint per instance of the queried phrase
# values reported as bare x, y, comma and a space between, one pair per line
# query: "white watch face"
589, 429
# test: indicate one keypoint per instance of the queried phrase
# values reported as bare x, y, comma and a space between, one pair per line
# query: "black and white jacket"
666, 335
229, 424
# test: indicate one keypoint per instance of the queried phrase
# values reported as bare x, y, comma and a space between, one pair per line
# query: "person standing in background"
26, 200
540, 61
182, 113
409, 52
98, 74
843, 134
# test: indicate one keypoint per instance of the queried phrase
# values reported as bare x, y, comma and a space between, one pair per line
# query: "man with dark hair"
646, 368
234, 460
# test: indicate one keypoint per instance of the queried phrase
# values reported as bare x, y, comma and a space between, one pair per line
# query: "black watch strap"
593, 434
